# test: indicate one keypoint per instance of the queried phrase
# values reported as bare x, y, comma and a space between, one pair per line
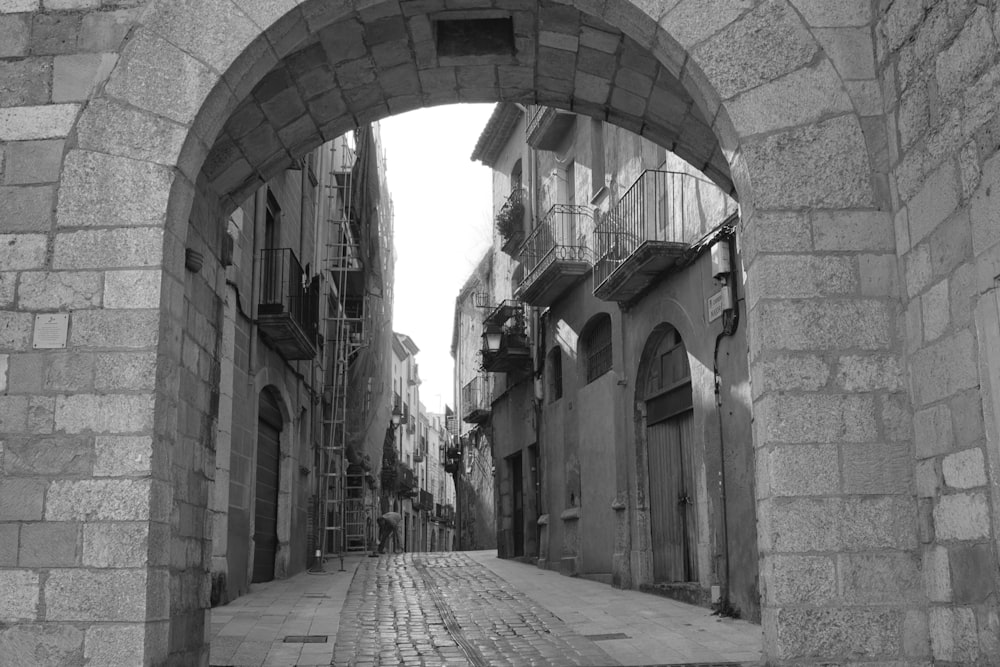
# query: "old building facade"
471, 456
302, 362
859, 139
612, 414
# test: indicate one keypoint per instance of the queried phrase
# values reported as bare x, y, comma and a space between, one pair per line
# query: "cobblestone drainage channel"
305, 639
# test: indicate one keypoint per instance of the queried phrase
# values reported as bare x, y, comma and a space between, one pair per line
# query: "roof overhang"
498, 131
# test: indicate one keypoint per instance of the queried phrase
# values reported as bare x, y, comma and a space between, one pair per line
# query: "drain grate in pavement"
612, 635
305, 639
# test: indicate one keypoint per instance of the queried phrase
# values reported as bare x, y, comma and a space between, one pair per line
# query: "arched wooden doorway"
669, 438
265, 534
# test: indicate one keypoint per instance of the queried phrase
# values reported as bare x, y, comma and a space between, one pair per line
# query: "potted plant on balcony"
509, 224
515, 340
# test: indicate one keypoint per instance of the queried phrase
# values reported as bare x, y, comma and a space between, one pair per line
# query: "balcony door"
271, 283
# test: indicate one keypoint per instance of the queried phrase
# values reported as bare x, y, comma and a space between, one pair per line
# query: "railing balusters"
476, 395
563, 232
283, 289
650, 210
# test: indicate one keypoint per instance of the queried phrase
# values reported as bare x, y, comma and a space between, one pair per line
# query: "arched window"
668, 386
553, 373
595, 347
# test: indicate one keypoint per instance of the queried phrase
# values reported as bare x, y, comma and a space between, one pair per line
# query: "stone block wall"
862, 138
937, 64
85, 525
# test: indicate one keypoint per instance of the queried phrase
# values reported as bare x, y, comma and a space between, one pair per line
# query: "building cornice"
498, 131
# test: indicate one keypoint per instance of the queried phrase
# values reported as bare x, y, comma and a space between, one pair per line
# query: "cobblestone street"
445, 609
469, 609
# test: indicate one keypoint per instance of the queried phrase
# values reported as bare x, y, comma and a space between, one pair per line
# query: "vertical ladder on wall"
342, 498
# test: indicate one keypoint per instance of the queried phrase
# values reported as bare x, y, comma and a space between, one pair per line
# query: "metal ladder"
344, 520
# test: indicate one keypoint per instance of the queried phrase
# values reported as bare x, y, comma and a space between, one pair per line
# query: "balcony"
425, 501
444, 513
555, 255
476, 400
648, 232
547, 127
505, 339
510, 222
406, 480
287, 312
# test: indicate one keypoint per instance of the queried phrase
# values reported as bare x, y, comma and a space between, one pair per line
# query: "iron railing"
445, 511
476, 395
651, 210
406, 480
426, 500
283, 289
561, 235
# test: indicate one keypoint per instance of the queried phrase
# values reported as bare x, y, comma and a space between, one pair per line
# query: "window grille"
597, 348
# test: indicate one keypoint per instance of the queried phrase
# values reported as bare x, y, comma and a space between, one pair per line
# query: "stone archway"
186, 95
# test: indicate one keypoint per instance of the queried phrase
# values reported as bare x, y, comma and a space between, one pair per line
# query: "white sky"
444, 220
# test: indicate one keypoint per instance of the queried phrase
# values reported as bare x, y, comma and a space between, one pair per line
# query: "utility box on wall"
721, 264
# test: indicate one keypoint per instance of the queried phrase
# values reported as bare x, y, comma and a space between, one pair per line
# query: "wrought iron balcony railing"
426, 501
406, 480
476, 400
444, 512
288, 309
556, 253
650, 227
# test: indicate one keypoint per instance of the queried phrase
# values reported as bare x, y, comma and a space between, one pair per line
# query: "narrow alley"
701, 314
466, 608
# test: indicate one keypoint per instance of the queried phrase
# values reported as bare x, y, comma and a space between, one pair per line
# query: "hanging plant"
509, 220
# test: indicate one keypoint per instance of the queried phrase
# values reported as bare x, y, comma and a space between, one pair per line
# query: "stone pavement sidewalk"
253, 630
632, 627
468, 608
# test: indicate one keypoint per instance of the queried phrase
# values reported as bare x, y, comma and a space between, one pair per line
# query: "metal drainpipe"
259, 222
729, 328
304, 195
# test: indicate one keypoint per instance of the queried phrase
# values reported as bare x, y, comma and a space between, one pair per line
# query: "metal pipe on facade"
729, 327
259, 225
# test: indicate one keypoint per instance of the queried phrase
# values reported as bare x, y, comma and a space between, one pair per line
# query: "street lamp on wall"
397, 416
493, 335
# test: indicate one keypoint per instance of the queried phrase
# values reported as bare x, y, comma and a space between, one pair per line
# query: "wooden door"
265, 535
671, 499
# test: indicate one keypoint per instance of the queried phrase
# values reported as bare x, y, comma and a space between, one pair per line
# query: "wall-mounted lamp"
493, 335
397, 416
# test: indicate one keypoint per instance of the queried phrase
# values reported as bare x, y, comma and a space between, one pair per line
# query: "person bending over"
388, 525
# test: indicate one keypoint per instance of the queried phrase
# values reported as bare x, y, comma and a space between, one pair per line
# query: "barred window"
596, 347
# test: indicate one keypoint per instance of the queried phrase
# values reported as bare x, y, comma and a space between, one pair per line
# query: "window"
272, 223
595, 346
553, 368
668, 385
